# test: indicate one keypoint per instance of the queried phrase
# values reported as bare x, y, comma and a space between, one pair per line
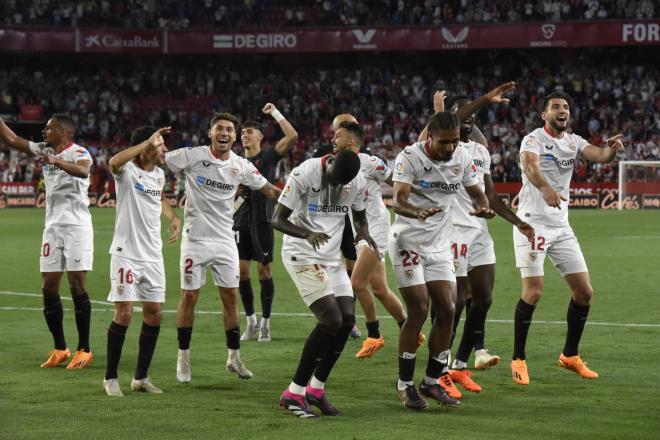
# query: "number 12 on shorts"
538, 243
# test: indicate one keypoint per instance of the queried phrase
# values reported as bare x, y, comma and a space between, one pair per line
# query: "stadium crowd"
392, 102
184, 14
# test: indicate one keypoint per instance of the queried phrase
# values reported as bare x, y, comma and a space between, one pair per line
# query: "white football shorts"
66, 247
412, 267
471, 247
559, 243
135, 280
220, 256
315, 281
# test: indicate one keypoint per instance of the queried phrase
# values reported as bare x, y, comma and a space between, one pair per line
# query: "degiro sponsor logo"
313, 207
114, 41
213, 183
441, 185
562, 163
152, 192
254, 41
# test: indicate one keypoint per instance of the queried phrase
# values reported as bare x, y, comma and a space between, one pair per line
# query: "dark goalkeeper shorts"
257, 244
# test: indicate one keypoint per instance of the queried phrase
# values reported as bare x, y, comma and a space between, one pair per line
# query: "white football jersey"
320, 208
67, 202
557, 157
434, 184
375, 171
137, 217
211, 184
463, 203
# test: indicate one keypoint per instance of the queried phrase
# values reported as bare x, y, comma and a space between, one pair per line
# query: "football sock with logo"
83, 310
437, 365
319, 339
116, 336
333, 353
147, 344
267, 296
373, 330
406, 366
247, 296
54, 315
576, 318
522, 321
233, 336
184, 334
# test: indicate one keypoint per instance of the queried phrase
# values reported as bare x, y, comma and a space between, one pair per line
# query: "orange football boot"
370, 347
519, 372
448, 385
464, 378
56, 357
80, 360
575, 363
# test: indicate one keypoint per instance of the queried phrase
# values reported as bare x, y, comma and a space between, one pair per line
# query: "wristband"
277, 115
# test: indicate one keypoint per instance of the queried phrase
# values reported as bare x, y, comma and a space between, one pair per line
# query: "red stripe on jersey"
409, 161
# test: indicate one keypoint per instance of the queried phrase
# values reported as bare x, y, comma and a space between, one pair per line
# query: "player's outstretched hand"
175, 230
483, 212
496, 96
527, 230
427, 212
439, 101
615, 142
269, 108
317, 239
156, 139
552, 197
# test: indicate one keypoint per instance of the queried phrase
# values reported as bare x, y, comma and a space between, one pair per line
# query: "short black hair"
454, 100
65, 121
443, 121
556, 95
225, 116
346, 166
354, 129
141, 134
250, 124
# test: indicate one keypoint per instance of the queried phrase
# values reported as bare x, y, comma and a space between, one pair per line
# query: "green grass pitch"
620, 342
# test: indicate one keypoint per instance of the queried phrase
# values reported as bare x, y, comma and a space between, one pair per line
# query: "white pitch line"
309, 315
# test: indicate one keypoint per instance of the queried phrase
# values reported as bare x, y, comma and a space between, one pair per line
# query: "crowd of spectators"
241, 14
391, 101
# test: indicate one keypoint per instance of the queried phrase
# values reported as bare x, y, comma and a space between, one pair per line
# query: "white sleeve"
404, 170
469, 171
178, 160
293, 190
580, 141
36, 147
252, 178
487, 161
81, 153
530, 144
380, 171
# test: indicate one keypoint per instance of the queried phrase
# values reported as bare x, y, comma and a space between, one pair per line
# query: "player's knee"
76, 288
49, 290
584, 294
417, 314
189, 297
264, 272
348, 321
482, 302
124, 315
152, 317
445, 310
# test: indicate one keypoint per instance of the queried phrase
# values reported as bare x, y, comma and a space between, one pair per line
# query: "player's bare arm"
438, 106
478, 136
174, 228
270, 191
403, 207
120, 159
531, 166
290, 134
503, 211
12, 139
606, 154
480, 202
80, 168
495, 96
281, 223
362, 229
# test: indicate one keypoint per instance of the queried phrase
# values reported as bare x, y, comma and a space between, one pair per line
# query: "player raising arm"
68, 241
252, 223
137, 272
547, 155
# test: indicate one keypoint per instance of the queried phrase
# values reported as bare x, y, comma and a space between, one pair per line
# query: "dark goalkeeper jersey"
257, 208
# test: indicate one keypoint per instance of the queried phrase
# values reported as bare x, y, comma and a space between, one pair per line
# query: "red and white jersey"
375, 171
67, 202
557, 157
463, 203
434, 184
211, 185
137, 217
319, 207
